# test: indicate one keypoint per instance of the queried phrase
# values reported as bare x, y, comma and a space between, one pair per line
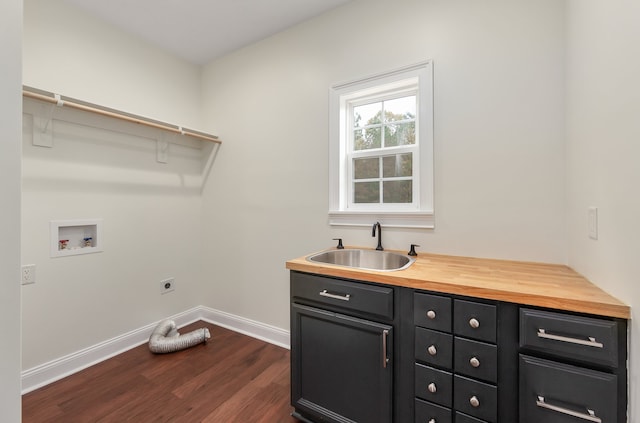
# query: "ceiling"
202, 30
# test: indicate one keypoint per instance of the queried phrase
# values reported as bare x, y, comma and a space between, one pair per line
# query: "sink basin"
364, 259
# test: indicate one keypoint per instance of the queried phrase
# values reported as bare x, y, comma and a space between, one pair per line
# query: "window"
381, 149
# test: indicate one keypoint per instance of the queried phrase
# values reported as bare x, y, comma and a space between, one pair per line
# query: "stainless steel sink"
364, 259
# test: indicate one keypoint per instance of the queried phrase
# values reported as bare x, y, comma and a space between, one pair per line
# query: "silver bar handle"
385, 360
589, 416
591, 342
325, 293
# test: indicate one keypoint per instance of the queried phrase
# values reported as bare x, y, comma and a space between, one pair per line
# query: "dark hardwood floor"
232, 378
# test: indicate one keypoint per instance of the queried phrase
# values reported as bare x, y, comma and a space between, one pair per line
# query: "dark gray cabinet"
371, 353
459, 344
341, 359
570, 368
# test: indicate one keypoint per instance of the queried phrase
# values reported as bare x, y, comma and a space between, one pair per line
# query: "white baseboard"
268, 333
57, 369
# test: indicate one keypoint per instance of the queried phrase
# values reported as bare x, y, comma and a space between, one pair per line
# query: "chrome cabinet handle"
474, 323
431, 314
385, 359
432, 350
589, 416
542, 333
432, 388
474, 362
474, 401
325, 293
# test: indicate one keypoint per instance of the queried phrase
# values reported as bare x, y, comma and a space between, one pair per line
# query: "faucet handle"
340, 246
412, 250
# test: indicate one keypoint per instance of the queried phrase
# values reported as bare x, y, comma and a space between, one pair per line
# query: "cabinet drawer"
431, 413
353, 296
475, 320
434, 348
579, 338
434, 385
476, 398
432, 311
476, 359
463, 418
553, 392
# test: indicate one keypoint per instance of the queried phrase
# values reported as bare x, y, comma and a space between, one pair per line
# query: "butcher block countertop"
536, 284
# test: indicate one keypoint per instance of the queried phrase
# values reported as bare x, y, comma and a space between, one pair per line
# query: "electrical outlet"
167, 285
28, 274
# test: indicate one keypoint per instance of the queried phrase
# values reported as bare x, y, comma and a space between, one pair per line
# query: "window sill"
420, 220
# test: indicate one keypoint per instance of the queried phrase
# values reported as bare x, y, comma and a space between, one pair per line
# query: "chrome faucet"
373, 233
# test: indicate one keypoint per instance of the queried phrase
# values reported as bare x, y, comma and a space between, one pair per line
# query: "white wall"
69, 52
10, 113
499, 171
152, 212
603, 133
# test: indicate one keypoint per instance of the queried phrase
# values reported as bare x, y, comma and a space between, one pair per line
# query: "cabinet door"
341, 367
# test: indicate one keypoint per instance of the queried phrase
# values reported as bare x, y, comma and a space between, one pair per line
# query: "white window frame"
416, 79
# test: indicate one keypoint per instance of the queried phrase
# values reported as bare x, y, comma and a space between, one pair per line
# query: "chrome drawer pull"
474, 362
591, 416
474, 323
474, 401
385, 360
324, 293
590, 343
432, 350
432, 388
431, 314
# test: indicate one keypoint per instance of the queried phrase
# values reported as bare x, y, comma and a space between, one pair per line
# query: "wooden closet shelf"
104, 111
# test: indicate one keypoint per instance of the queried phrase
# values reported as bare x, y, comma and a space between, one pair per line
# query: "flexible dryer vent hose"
165, 338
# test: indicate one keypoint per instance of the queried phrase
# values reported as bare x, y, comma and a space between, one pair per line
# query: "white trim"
421, 220
421, 213
375, 79
252, 328
59, 368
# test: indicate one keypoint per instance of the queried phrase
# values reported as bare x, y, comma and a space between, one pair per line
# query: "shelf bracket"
43, 127
162, 149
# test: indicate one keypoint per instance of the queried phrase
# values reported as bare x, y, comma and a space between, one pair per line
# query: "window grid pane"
403, 108
397, 192
397, 165
366, 192
367, 138
366, 168
387, 123
383, 179
367, 114
396, 134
